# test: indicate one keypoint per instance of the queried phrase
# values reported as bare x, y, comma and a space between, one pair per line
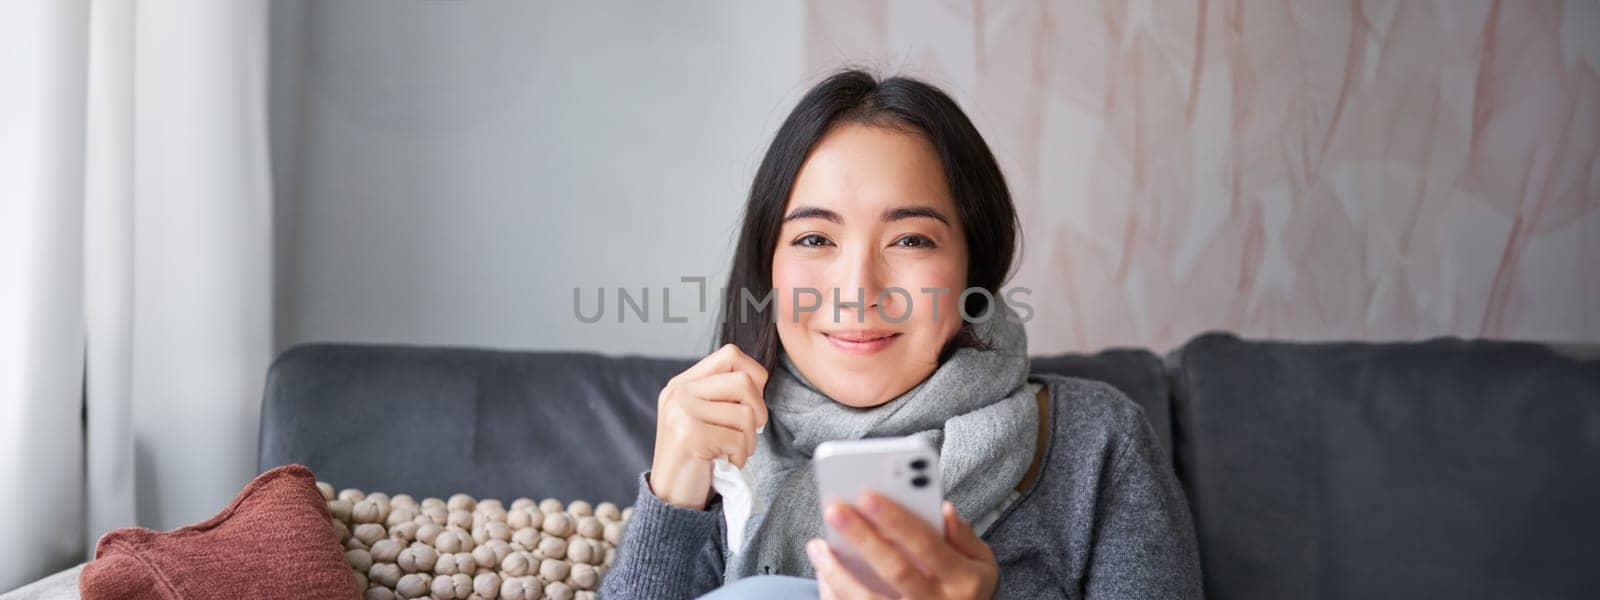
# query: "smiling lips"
862, 341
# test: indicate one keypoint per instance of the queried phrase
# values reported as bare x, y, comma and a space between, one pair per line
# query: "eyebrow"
911, 212
812, 212
893, 214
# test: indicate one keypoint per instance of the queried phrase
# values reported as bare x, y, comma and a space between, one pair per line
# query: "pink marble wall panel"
1317, 169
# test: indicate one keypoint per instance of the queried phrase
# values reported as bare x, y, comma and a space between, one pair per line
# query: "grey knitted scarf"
975, 408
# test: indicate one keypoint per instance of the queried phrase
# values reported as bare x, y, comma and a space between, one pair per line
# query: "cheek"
788, 276
926, 306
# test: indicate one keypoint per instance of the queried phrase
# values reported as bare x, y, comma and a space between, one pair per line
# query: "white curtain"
135, 267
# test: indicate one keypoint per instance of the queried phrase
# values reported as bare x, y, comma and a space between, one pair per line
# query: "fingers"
706, 441
961, 536
716, 362
978, 580
739, 360
733, 386
914, 535
969, 576
730, 359
834, 581
886, 559
727, 358
723, 442
825, 591
742, 362
740, 403
733, 417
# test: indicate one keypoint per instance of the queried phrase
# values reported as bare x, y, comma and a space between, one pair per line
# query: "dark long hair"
983, 203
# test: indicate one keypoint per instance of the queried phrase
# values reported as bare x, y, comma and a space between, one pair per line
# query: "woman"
865, 301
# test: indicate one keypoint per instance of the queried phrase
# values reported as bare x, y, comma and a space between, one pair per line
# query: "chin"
862, 370
864, 402
865, 382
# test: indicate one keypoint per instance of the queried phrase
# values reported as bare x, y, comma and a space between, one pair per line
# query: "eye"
915, 241
812, 240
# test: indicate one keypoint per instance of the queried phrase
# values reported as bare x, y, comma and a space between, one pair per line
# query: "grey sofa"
1321, 470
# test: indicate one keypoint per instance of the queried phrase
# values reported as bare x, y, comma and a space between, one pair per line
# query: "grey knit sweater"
1105, 518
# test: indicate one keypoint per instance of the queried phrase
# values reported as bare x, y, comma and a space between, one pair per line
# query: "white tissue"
738, 490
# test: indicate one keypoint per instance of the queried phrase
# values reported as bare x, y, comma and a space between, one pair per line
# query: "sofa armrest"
61, 586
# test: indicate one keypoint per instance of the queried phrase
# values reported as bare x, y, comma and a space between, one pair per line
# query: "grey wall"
446, 172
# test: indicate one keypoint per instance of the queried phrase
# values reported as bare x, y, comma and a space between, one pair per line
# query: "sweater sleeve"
666, 551
1144, 546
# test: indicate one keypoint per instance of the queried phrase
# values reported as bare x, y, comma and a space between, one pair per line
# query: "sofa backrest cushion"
1137, 373
1445, 468
431, 421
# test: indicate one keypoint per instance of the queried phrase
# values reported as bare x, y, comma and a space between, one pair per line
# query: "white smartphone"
903, 469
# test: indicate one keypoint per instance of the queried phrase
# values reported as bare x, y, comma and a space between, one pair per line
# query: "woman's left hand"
905, 552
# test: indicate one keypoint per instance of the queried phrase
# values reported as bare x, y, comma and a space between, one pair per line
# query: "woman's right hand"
711, 410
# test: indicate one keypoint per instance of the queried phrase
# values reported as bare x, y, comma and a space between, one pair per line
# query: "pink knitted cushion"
272, 541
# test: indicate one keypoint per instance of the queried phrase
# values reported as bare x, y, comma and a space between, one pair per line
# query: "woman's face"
870, 211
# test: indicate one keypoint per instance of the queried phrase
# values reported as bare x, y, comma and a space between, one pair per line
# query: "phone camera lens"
919, 464
919, 482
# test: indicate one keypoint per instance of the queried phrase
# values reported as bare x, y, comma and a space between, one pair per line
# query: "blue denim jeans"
766, 587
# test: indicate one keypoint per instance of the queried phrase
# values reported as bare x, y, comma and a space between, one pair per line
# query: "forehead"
865, 167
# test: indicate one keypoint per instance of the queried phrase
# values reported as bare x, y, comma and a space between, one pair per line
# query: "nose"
862, 283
